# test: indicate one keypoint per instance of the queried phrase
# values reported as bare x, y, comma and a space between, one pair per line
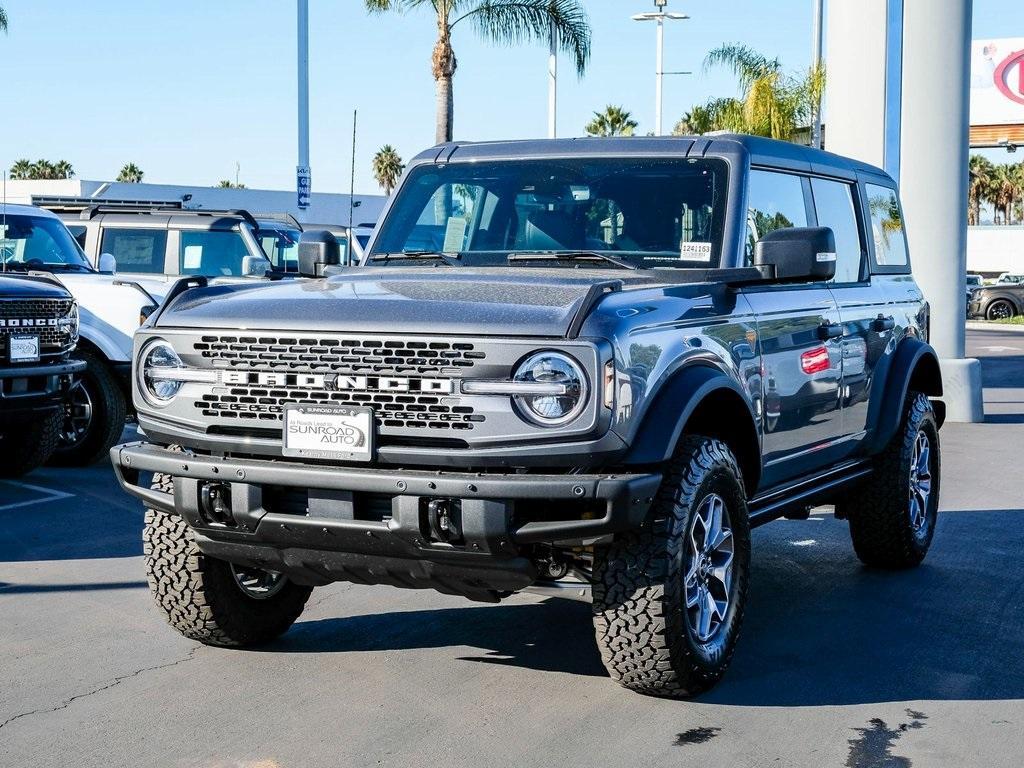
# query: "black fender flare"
673, 405
913, 364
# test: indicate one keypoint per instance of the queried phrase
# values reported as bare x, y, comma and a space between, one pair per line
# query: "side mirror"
254, 266
107, 263
797, 254
317, 251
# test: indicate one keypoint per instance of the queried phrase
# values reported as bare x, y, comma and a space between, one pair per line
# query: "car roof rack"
92, 206
284, 218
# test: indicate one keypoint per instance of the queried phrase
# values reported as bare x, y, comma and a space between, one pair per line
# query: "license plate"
328, 432
24, 349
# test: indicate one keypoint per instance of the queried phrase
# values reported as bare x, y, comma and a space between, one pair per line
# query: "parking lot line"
48, 494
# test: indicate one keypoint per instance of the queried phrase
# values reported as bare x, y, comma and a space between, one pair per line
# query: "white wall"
995, 249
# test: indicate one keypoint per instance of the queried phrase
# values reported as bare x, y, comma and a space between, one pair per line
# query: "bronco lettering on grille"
29, 322
338, 382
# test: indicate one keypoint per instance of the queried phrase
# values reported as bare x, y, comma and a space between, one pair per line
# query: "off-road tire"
878, 508
108, 415
199, 594
639, 600
29, 445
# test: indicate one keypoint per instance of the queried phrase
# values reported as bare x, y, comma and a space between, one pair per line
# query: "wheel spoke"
704, 615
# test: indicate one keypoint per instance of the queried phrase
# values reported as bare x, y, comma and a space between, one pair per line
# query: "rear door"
800, 340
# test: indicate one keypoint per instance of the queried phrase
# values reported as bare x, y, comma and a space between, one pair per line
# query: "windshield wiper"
450, 260
570, 256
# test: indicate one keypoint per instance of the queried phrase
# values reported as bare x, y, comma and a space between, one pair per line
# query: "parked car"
38, 331
974, 281
550, 372
110, 309
999, 301
1010, 278
160, 242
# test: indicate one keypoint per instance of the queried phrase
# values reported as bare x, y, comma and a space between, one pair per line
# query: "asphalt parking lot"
838, 665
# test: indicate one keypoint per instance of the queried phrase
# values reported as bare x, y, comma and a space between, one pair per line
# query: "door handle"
829, 331
881, 324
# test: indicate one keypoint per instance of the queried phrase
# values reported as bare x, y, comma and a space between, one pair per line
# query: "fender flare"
914, 361
674, 404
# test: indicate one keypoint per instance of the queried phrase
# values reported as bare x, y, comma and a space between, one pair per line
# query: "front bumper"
38, 387
324, 533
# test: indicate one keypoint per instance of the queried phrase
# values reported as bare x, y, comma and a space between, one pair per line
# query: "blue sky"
186, 90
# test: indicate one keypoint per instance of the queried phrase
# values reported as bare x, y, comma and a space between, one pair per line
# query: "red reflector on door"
815, 360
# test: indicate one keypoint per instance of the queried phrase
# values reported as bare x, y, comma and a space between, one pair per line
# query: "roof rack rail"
92, 206
284, 217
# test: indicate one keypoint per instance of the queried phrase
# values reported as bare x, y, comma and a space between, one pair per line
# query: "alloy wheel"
77, 416
920, 481
708, 581
258, 583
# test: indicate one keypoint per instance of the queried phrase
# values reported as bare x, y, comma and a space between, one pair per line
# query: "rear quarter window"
887, 229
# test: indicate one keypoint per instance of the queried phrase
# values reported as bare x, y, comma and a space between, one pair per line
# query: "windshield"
38, 242
646, 212
281, 244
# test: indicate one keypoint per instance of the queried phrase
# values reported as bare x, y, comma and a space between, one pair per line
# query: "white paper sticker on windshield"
695, 252
455, 234
193, 257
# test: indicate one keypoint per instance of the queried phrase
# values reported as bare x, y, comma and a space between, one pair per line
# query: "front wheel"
210, 600
1000, 310
893, 513
95, 414
669, 598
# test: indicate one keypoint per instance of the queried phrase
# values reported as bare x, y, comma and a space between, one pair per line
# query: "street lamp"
660, 16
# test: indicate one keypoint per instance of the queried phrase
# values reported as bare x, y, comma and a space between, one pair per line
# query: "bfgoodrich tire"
669, 598
97, 417
209, 600
893, 513
23, 447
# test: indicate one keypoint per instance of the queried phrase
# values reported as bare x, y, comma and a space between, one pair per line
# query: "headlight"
563, 376
158, 368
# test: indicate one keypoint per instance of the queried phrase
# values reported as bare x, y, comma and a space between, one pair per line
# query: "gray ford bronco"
589, 365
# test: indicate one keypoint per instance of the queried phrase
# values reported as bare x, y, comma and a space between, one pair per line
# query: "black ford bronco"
38, 330
581, 365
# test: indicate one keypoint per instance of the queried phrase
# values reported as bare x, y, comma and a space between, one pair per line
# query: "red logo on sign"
1011, 65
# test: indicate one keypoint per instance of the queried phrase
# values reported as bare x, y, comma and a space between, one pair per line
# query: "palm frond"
512, 22
3, 20
747, 64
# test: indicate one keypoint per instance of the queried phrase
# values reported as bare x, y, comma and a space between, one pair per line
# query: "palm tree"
771, 103
227, 184
980, 171
43, 169
724, 114
1002, 193
130, 173
3, 20
22, 169
387, 168
506, 22
613, 121
62, 169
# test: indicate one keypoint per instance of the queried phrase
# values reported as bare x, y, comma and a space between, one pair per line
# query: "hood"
86, 286
460, 301
13, 286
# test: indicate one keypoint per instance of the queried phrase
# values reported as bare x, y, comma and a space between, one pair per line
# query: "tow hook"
215, 502
441, 520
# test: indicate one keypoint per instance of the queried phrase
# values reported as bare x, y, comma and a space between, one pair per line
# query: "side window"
833, 202
136, 250
211, 253
78, 232
887, 227
774, 201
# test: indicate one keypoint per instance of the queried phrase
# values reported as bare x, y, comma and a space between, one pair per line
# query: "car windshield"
38, 242
638, 211
281, 245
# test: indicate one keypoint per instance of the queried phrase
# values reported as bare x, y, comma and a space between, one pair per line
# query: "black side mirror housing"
797, 254
318, 250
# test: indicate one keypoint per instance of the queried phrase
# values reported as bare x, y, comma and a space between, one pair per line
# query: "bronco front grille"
348, 354
52, 338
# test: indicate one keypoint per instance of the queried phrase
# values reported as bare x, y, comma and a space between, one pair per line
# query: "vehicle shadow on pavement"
821, 629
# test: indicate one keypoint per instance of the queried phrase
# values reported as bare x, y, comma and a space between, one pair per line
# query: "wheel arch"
695, 402
914, 367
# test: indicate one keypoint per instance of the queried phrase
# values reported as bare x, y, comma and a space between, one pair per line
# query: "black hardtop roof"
761, 151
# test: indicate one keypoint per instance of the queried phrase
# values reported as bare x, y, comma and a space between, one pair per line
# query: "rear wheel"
26, 446
1000, 309
893, 514
669, 598
210, 600
95, 414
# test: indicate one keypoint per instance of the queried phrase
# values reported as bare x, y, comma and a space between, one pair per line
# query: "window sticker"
193, 257
695, 252
454, 234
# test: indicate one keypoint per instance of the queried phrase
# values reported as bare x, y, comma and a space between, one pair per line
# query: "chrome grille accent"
52, 339
343, 354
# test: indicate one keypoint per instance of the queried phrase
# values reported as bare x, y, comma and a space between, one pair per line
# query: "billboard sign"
997, 81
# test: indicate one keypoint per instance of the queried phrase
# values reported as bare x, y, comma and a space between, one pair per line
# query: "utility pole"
659, 16
303, 182
552, 81
817, 34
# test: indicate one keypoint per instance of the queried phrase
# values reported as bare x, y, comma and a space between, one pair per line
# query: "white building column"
887, 104
933, 182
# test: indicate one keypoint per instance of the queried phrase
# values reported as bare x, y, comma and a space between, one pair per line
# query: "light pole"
659, 16
817, 32
302, 173
553, 81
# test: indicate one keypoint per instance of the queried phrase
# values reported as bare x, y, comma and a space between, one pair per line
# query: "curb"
975, 325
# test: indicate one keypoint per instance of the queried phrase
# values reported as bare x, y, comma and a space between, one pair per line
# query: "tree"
505, 22
981, 171
22, 169
771, 103
226, 184
387, 168
62, 169
3, 20
130, 173
613, 121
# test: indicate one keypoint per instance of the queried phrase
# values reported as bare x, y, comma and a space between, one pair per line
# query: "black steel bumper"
37, 387
323, 537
